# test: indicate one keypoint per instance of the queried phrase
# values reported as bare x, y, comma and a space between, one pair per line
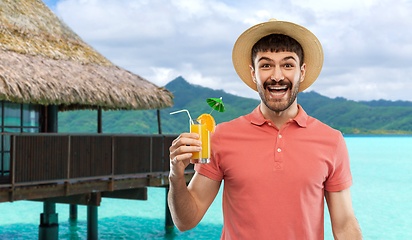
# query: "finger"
190, 135
183, 150
183, 141
186, 135
187, 149
180, 158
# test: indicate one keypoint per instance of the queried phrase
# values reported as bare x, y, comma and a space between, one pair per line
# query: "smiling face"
277, 76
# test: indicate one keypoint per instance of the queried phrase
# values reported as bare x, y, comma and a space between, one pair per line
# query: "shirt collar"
257, 118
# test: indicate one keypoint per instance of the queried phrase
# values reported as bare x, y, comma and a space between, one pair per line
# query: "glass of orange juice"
204, 125
199, 126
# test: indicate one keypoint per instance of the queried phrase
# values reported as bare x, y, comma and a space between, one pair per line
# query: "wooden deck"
83, 168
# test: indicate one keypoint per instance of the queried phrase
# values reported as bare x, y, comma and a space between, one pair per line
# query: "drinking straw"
184, 110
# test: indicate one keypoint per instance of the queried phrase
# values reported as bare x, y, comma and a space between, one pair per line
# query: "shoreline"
377, 135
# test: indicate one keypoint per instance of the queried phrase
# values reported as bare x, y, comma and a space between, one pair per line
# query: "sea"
381, 195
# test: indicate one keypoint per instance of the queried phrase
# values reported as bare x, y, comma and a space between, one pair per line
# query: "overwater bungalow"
46, 68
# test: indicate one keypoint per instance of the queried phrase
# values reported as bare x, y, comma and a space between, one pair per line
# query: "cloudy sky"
367, 43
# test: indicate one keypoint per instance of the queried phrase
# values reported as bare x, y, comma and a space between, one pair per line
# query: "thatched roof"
43, 61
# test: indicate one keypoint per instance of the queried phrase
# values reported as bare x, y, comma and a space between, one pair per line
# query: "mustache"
282, 82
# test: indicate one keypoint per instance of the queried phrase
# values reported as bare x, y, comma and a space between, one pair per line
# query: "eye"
265, 65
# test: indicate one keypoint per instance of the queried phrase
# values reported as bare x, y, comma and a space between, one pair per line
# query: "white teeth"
277, 94
278, 88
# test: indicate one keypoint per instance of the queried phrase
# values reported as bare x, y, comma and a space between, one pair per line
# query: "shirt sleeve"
212, 170
340, 177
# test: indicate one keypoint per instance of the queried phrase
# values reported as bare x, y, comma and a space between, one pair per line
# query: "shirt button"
280, 136
279, 150
270, 124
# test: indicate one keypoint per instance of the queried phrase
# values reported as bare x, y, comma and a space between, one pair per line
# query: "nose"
277, 74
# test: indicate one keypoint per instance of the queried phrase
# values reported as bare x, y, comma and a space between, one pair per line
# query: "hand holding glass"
204, 126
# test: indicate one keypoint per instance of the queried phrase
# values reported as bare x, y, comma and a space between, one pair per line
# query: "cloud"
367, 47
379, 84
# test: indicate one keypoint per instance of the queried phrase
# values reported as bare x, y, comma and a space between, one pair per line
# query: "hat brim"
312, 50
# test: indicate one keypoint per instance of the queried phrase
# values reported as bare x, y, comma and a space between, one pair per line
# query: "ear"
252, 73
302, 72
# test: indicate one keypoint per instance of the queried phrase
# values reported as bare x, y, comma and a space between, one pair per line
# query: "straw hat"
312, 49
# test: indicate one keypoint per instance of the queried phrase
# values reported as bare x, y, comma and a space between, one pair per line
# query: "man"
277, 163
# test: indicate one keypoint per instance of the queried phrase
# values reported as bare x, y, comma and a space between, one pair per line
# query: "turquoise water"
381, 168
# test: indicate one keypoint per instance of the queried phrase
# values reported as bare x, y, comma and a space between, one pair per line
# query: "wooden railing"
53, 158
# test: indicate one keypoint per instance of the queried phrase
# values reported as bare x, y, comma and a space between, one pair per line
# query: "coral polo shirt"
274, 179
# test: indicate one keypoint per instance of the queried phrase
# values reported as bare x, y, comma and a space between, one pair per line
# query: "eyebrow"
270, 60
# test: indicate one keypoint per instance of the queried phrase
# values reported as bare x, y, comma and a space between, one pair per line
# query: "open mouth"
278, 90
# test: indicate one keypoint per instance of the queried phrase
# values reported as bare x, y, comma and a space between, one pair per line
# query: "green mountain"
350, 117
386, 103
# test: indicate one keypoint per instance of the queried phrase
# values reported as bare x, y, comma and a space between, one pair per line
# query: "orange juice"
204, 155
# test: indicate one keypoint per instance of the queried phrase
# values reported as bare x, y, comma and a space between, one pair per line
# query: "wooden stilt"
49, 227
99, 120
73, 211
159, 124
92, 216
49, 224
169, 221
92, 223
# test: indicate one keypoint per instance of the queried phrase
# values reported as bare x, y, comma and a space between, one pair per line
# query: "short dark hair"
277, 43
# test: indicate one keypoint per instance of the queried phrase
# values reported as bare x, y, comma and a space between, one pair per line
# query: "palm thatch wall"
43, 61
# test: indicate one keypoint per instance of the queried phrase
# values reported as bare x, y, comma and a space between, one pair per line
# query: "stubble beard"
277, 105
